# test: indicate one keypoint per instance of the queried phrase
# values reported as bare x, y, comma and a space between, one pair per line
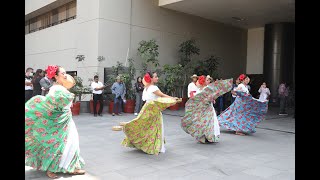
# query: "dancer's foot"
78, 172
51, 175
240, 133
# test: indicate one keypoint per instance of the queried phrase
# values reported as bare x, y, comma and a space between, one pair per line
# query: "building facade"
57, 31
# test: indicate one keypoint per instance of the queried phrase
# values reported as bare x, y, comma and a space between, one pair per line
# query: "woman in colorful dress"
200, 119
146, 131
245, 113
51, 137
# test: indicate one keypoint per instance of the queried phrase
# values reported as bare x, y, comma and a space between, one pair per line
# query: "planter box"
75, 109
175, 107
129, 106
184, 100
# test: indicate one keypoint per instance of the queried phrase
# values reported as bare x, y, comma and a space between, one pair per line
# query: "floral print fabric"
198, 120
145, 131
244, 114
47, 126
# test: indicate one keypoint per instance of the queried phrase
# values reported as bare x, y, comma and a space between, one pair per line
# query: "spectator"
283, 94
45, 83
36, 82
192, 87
209, 79
264, 92
28, 89
119, 90
139, 89
220, 101
97, 88
234, 94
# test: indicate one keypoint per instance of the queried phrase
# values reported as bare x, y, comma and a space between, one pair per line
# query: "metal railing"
52, 24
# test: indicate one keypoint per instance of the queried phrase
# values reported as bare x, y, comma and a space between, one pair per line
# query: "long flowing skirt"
146, 131
51, 137
200, 119
244, 114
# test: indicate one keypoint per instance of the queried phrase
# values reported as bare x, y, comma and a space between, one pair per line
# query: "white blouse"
242, 88
148, 93
192, 87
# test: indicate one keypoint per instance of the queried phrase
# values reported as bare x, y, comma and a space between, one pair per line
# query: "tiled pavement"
268, 154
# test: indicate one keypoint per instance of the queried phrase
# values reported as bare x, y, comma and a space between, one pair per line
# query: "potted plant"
172, 79
78, 90
187, 50
128, 77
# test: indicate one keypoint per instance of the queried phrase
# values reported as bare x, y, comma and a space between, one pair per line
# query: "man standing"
97, 88
45, 83
283, 94
192, 87
28, 89
119, 90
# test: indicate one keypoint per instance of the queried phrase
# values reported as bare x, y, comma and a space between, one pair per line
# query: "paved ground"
269, 154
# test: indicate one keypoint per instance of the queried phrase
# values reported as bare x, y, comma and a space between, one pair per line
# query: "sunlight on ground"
34, 174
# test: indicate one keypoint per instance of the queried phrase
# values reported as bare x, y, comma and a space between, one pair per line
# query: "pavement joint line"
256, 127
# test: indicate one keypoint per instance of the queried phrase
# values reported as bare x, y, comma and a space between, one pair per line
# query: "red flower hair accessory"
147, 78
202, 80
242, 77
51, 71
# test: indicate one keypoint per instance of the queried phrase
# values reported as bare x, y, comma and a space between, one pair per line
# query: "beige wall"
172, 28
255, 51
109, 27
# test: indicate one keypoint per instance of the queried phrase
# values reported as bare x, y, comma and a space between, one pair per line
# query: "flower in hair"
202, 80
242, 77
51, 71
147, 78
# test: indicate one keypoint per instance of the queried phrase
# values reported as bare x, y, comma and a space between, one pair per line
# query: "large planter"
75, 109
129, 106
184, 100
174, 107
98, 106
111, 106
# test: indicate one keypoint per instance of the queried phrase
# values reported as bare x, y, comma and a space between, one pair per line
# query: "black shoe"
100, 115
95, 115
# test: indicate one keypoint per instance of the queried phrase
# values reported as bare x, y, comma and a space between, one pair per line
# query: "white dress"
148, 95
192, 87
264, 93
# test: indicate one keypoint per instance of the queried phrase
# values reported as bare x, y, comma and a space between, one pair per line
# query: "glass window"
54, 16
26, 30
45, 20
71, 9
62, 13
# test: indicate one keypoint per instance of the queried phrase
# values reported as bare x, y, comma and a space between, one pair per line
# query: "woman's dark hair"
37, 75
57, 72
151, 73
138, 78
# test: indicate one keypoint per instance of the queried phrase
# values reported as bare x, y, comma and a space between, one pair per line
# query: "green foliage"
148, 51
173, 78
128, 78
78, 89
208, 66
187, 50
